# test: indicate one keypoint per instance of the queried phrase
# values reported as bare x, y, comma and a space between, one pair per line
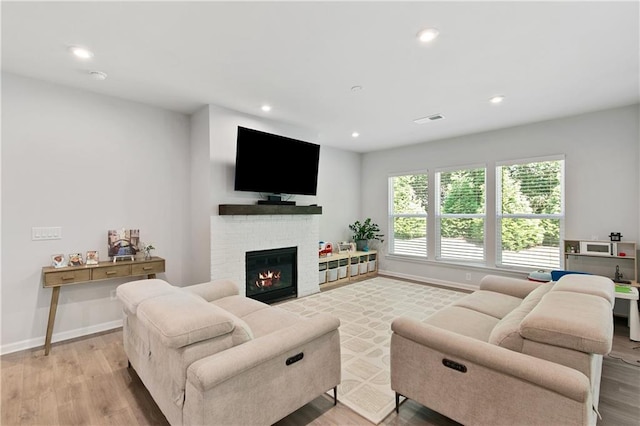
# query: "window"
530, 213
408, 218
460, 215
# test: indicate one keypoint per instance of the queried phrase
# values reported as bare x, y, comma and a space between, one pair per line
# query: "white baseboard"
443, 283
58, 337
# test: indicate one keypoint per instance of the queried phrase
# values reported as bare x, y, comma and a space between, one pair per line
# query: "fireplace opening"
272, 275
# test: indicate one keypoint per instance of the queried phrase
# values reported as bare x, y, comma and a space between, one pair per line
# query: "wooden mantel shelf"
265, 209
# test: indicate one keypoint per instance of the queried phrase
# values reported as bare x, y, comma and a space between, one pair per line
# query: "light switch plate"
46, 233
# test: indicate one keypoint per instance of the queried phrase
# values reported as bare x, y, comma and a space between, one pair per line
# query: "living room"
88, 161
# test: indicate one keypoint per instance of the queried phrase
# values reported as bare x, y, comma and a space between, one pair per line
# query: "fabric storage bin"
332, 274
322, 273
372, 265
354, 266
342, 272
364, 267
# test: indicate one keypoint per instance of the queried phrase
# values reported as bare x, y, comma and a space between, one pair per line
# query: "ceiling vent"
434, 117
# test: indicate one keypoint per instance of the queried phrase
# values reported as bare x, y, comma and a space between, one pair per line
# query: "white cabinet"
616, 260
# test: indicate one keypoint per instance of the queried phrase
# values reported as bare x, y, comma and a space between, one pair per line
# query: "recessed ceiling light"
428, 34
496, 99
81, 52
98, 75
355, 134
266, 108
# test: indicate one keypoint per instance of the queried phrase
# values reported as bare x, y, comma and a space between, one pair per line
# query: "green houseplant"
365, 231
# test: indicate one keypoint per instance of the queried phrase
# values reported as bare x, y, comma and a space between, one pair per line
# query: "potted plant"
365, 231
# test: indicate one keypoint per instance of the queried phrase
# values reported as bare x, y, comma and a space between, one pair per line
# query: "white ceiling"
550, 59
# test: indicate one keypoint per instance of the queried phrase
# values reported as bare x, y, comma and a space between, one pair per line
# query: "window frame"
438, 216
499, 216
392, 215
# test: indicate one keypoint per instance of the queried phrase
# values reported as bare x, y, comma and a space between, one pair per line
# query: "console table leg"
52, 319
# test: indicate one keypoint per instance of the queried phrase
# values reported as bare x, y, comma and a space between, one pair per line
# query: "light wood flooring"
86, 381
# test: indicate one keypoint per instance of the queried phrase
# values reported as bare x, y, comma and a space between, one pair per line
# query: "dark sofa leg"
397, 402
335, 395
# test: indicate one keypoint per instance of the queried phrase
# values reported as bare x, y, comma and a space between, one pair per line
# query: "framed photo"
75, 259
57, 261
92, 258
123, 242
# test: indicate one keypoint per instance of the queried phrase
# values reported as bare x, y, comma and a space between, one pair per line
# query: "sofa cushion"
463, 321
489, 302
135, 292
213, 290
265, 321
571, 320
588, 284
240, 306
507, 332
180, 319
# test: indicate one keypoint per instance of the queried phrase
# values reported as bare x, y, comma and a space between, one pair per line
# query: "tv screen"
275, 164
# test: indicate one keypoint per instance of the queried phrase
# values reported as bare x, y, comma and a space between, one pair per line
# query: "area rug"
366, 310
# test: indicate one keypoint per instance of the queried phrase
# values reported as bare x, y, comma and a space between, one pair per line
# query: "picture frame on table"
57, 261
75, 259
92, 258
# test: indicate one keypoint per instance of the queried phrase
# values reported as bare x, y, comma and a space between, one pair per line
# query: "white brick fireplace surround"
233, 236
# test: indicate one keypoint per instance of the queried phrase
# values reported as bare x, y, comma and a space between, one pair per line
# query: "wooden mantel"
265, 209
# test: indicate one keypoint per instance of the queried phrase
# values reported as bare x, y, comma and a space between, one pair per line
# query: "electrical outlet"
113, 295
468, 277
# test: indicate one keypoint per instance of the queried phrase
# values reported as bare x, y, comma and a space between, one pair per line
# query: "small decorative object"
615, 236
344, 247
57, 261
92, 258
364, 232
75, 259
146, 249
123, 243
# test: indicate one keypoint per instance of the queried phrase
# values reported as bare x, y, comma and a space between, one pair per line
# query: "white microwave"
598, 248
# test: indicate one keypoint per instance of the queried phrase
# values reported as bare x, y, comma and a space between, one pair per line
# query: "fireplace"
272, 275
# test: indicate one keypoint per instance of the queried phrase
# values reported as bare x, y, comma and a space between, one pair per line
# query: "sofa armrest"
533, 371
214, 369
214, 290
515, 287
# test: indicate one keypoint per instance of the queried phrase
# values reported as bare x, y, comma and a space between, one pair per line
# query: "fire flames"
267, 279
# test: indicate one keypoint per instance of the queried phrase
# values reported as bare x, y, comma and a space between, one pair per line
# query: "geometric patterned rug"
366, 310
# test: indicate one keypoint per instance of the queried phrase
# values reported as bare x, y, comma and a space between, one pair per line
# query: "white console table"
633, 320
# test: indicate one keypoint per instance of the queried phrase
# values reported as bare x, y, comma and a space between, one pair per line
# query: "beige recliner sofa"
211, 357
514, 352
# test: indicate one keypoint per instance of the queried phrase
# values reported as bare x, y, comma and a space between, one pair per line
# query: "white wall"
602, 179
87, 163
197, 268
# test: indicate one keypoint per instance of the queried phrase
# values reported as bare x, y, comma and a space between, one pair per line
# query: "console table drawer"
146, 268
52, 279
112, 272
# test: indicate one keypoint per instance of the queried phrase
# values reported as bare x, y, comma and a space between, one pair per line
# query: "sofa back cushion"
578, 321
588, 284
133, 293
180, 319
507, 332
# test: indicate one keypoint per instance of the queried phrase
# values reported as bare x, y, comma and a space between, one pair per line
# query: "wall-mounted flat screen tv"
275, 164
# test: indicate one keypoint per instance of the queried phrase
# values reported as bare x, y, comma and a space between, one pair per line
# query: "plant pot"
361, 245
